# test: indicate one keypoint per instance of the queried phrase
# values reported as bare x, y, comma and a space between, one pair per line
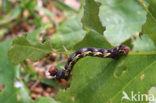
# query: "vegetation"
35, 35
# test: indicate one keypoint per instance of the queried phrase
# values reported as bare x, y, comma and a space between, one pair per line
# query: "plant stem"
144, 5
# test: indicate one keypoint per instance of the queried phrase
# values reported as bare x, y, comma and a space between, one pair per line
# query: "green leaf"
90, 18
122, 18
23, 49
22, 90
60, 4
12, 15
143, 44
93, 27
23, 95
7, 75
46, 12
69, 33
6, 5
150, 26
33, 35
45, 100
15, 91
30, 5
48, 82
93, 39
2, 32
99, 80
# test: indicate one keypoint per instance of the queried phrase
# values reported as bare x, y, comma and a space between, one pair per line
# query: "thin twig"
144, 5
35, 84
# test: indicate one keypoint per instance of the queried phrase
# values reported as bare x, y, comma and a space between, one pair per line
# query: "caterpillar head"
124, 49
52, 71
59, 74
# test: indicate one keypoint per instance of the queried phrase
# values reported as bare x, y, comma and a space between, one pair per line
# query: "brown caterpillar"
89, 51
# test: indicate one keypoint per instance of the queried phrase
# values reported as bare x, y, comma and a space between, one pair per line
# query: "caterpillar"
114, 53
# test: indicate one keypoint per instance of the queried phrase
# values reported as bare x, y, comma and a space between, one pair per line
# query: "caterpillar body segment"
113, 53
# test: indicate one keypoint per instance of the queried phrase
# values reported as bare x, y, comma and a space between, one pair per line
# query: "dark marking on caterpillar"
113, 53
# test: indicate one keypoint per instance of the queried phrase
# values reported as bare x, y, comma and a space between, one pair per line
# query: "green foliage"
143, 44
7, 75
33, 36
6, 5
93, 39
103, 80
2, 32
122, 18
10, 16
31, 5
93, 27
97, 80
64, 6
15, 91
45, 100
69, 33
150, 26
45, 11
105, 23
91, 19
23, 49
